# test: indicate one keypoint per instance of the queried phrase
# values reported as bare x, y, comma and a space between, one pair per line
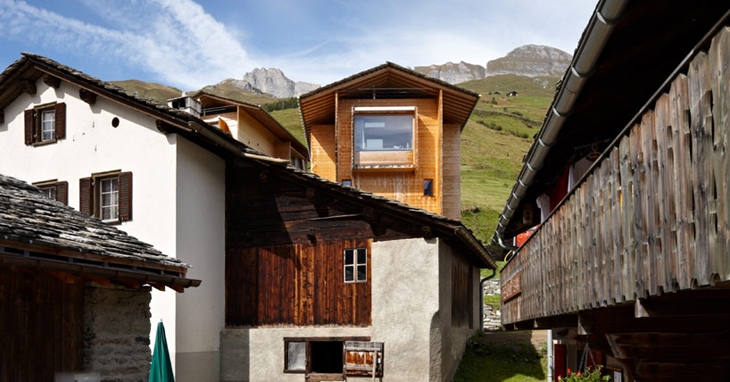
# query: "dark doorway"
326, 357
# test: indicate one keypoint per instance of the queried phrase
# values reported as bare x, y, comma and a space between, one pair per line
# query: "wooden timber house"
629, 182
74, 291
393, 132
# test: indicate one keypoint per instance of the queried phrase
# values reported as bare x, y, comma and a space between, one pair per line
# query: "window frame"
59, 189
387, 158
308, 351
35, 124
355, 265
91, 197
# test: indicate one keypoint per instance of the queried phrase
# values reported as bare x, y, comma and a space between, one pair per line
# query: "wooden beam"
164, 127
103, 281
670, 347
129, 283
87, 96
27, 86
51, 81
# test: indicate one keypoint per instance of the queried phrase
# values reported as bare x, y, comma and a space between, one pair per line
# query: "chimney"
185, 103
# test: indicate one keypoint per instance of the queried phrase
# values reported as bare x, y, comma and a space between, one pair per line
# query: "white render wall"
411, 314
165, 174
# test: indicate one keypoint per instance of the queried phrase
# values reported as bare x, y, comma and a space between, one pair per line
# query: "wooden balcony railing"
652, 217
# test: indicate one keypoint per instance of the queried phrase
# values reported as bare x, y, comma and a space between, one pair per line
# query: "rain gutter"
589, 49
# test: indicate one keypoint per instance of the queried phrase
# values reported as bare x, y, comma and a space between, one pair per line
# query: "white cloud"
176, 40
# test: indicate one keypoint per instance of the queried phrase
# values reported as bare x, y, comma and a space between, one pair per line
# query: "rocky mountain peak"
274, 82
531, 61
453, 73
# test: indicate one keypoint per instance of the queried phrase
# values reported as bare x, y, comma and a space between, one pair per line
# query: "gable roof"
626, 53
212, 100
386, 81
38, 231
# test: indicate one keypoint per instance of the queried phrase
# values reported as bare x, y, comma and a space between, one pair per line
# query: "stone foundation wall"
116, 333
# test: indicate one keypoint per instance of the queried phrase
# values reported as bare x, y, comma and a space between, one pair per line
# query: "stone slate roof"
30, 219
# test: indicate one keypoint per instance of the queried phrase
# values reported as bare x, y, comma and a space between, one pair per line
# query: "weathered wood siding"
462, 292
284, 263
651, 218
295, 285
42, 326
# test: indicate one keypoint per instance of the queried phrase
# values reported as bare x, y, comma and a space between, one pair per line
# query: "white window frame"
355, 265
109, 206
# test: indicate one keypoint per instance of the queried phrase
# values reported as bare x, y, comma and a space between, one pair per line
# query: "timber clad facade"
394, 161
633, 263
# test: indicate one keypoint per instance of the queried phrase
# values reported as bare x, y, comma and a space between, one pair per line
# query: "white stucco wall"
200, 242
178, 197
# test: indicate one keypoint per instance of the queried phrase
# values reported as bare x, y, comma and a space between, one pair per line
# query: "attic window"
54, 190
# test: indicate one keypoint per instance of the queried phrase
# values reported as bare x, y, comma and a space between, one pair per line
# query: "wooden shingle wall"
654, 215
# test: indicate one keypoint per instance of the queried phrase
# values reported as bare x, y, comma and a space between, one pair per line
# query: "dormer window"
384, 136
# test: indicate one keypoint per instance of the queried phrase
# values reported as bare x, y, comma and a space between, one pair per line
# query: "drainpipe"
481, 298
550, 356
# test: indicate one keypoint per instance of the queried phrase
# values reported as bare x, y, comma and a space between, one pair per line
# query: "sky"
190, 44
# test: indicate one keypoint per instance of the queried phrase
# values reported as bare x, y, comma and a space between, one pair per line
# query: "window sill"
385, 167
44, 143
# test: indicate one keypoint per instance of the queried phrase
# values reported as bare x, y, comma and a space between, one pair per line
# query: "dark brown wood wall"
41, 325
299, 284
284, 262
461, 292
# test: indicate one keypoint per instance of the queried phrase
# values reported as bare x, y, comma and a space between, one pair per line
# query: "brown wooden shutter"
29, 119
125, 196
62, 192
86, 196
60, 120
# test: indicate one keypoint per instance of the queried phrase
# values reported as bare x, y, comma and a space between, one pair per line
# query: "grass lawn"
502, 356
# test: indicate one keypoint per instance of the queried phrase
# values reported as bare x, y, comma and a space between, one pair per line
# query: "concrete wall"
116, 329
411, 314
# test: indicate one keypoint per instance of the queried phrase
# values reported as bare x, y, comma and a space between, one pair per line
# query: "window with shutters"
54, 189
45, 124
107, 196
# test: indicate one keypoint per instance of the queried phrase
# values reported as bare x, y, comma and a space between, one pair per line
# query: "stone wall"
492, 318
116, 333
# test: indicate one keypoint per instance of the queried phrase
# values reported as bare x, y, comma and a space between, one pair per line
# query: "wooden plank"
679, 98
617, 234
638, 237
701, 129
627, 229
649, 222
662, 252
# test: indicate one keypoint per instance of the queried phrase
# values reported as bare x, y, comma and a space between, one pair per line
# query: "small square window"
45, 124
347, 182
428, 187
355, 265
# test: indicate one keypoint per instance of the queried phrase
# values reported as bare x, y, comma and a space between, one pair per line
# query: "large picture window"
384, 136
384, 132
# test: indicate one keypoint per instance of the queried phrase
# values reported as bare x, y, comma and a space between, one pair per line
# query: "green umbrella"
161, 368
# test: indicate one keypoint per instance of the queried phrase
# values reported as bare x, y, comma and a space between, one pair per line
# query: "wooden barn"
74, 291
324, 281
629, 177
393, 132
